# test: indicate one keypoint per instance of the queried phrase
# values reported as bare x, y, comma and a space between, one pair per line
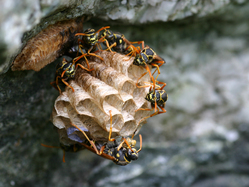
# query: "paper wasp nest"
47, 45
110, 86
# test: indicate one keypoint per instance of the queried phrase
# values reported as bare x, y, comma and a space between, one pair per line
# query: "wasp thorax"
138, 61
111, 86
159, 96
164, 97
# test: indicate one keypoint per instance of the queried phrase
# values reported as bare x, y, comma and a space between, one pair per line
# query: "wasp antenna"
64, 155
128, 144
110, 132
140, 136
120, 145
107, 27
50, 146
82, 132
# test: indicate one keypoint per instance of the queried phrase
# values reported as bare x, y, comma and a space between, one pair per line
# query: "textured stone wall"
202, 140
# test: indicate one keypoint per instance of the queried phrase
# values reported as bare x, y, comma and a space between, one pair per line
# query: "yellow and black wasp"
88, 42
121, 154
118, 42
157, 98
65, 70
149, 57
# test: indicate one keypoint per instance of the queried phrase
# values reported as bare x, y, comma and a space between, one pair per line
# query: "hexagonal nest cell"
110, 86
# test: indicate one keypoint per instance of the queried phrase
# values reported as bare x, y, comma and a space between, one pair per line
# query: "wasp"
121, 154
119, 43
65, 70
153, 96
149, 57
157, 98
89, 41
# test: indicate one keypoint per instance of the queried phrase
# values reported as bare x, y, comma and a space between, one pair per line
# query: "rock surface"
202, 140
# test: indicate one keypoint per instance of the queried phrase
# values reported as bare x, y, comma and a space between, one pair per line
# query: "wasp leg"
155, 113
158, 70
49, 146
107, 44
90, 141
163, 110
137, 42
64, 155
100, 40
106, 27
110, 132
83, 67
148, 84
120, 145
67, 84
153, 80
83, 55
148, 109
93, 54
62, 75
98, 45
84, 34
139, 79
52, 84
57, 83
157, 87
79, 57
157, 66
134, 51
128, 144
148, 117
140, 136
163, 83
110, 47
101, 150
79, 46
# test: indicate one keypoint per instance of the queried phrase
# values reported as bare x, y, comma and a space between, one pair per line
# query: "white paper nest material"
110, 86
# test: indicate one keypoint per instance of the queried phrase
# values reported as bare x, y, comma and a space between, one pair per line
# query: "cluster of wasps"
88, 43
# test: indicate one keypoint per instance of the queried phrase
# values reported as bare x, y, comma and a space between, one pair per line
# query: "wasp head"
139, 60
124, 156
90, 38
